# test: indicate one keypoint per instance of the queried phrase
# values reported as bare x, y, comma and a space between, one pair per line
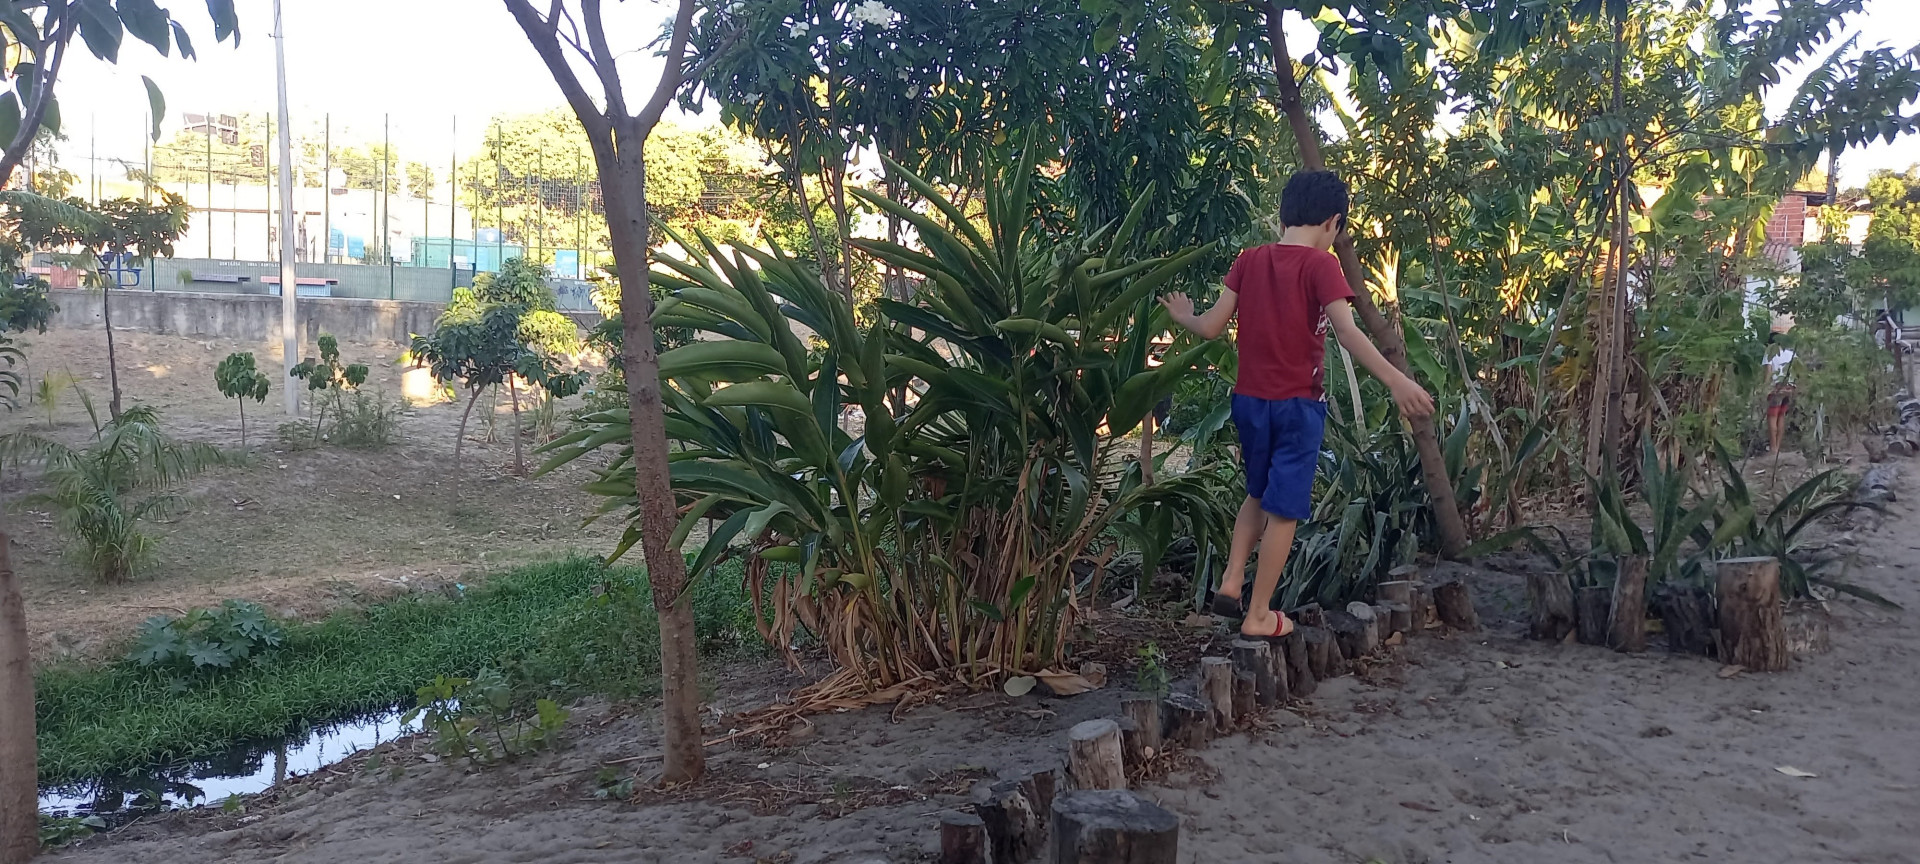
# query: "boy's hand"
1412, 399
1179, 306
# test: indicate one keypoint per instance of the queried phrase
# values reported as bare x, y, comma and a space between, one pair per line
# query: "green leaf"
147, 22
157, 103
723, 360
100, 28
225, 22
717, 544
180, 38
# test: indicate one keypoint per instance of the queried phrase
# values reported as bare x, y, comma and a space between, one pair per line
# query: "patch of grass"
559, 630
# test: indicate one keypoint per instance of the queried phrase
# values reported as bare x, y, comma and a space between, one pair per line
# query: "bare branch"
541, 33
604, 58
671, 74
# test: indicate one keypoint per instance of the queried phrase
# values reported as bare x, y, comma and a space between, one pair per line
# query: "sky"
422, 68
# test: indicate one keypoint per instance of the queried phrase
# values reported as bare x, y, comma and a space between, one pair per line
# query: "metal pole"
579, 216
266, 159
93, 160
209, 131
453, 204
289, 283
386, 197
326, 194
499, 208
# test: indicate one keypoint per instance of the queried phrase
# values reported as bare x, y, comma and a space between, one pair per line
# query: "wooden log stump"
1399, 591
1300, 680
1750, 623
1255, 657
1310, 615
1323, 656
1369, 619
1425, 616
1216, 682
1453, 604
1144, 710
1113, 827
1592, 605
1277, 661
1687, 614
1346, 634
1016, 814
963, 838
1628, 616
1246, 694
1189, 721
1094, 758
1809, 628
1399, 619
1549, 605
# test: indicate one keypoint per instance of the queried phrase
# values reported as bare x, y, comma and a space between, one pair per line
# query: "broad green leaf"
148, 23
156, 103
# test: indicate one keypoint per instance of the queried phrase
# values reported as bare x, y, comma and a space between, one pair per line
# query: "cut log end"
1094, 759
1751, 626
1113, 827
1453, 605
963, 838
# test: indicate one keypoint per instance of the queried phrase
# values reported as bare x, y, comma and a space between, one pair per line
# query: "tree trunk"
243, 422
19, 774
519, 456
624, 188
1093, 756
1629, 628
1433, 465
1549, 605
1216, 681
460, 435
1750, 624
113, 363
963, 838
1142, 710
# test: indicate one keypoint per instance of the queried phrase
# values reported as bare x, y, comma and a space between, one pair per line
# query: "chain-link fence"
399, 208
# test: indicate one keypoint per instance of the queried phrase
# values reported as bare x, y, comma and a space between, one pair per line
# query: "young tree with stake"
238, 379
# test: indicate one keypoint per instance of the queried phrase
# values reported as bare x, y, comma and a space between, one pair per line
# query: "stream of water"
244, 770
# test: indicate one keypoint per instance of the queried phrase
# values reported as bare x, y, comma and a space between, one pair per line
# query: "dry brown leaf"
1791, 771
1065, 683
1730, 671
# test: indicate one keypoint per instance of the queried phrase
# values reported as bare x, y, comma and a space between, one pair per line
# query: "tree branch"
59, 33
671, 75
604, 61
542, 35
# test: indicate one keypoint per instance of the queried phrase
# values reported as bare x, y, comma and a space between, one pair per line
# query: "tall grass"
562, 629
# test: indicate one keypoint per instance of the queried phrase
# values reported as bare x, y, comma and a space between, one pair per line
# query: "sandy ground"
1486, 748
302, 531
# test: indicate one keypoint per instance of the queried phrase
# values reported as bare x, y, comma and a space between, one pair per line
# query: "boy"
1780, 398
1286, 295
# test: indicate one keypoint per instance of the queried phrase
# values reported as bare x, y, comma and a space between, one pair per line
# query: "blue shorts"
1280, 443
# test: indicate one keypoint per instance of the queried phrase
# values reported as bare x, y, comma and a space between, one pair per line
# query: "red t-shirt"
1284, 290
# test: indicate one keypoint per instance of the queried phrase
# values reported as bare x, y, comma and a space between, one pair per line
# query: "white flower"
736, 7
903, 75
871, 12
913, 92
751, 99
797, 29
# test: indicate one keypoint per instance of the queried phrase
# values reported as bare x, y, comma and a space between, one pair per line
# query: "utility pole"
209, 118
326, 194
386, 197
453, 204
289, 283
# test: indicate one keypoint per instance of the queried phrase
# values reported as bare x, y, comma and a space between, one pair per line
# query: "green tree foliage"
101, 493
1892, 249
534, 179
504, 330
237, 378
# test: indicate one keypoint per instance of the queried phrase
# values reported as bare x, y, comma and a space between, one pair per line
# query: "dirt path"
1486, 749
300, 530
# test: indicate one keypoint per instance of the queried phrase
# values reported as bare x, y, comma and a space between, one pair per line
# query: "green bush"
550, 628
206, 638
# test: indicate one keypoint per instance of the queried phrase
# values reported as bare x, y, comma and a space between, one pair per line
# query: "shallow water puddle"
245, 770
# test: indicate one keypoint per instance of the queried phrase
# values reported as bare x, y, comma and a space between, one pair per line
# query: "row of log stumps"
1097, 820
1740, 620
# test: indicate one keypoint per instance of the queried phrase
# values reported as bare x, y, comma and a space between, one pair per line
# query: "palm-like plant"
941, 536
100, 493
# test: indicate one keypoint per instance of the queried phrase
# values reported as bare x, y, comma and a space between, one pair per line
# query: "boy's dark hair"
1312, 197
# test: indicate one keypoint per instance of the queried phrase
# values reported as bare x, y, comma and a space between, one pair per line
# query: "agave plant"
942, 534
101, 493
1740, 530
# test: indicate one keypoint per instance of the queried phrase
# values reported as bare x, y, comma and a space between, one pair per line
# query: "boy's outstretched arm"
1210, 325
1407, 393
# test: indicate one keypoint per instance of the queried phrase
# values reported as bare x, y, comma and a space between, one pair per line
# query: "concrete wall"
253, 317
422, 284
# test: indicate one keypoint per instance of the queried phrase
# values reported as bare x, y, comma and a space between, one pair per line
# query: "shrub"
206, 638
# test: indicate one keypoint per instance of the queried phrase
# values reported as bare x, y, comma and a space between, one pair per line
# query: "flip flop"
1228, 606
1282, 626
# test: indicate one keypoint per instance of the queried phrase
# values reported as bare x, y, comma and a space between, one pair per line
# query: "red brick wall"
1789, 222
